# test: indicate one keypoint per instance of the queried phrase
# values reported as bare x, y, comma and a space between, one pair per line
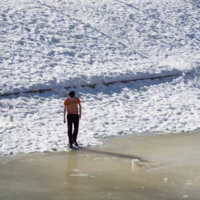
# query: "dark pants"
72, 119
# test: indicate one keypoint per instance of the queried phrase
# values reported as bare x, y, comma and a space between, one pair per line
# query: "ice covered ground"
52, 44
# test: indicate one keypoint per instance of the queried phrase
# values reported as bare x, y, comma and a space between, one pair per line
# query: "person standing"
72, 105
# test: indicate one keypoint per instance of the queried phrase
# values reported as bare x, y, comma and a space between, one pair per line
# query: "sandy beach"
143, 167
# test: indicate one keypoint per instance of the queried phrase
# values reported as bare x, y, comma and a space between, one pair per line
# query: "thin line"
90, 85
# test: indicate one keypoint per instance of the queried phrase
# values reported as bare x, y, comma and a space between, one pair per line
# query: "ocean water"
146, 167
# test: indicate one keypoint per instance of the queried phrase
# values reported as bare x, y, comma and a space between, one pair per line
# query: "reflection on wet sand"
71, 168
150, 167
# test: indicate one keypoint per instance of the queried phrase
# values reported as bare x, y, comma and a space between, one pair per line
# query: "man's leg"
76, 124
69, 125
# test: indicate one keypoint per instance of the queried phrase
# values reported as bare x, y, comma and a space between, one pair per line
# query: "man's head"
71, 94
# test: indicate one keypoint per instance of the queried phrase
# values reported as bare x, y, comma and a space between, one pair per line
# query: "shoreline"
104, 142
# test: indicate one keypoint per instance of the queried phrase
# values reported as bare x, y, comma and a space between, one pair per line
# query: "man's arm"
64, 113
79, 110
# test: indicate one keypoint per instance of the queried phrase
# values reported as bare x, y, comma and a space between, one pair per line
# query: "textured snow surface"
48, 44
54, 44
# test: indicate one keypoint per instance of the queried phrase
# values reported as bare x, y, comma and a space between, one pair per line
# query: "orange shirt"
72, 105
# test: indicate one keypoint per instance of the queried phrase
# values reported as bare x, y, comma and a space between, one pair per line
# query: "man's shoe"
75, 143
70, 146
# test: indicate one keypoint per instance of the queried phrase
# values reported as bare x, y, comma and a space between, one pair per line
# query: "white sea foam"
80, 174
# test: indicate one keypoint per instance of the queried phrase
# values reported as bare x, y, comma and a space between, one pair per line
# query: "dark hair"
71, 93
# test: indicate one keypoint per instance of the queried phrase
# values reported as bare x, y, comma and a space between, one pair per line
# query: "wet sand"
145, 168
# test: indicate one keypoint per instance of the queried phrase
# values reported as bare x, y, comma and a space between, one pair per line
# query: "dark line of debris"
91, 85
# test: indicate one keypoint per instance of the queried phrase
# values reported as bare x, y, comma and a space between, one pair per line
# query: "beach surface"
145, 167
